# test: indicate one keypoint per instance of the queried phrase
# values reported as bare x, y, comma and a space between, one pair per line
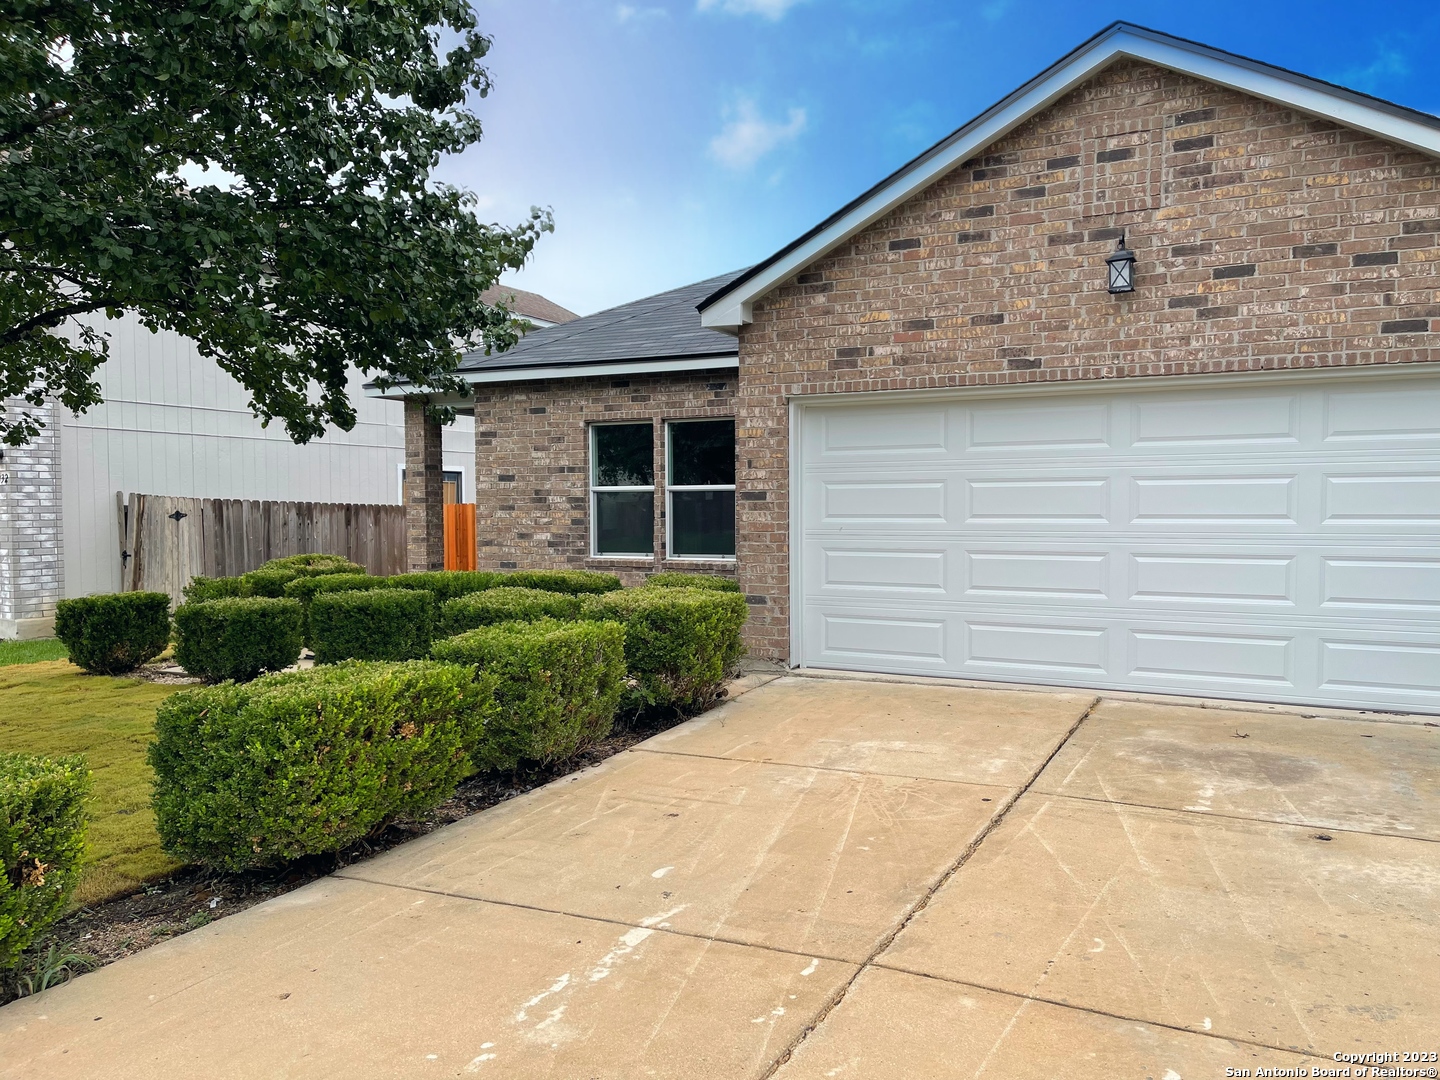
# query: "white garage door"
1276, 540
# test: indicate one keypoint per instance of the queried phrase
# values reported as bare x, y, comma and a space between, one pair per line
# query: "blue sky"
678, 139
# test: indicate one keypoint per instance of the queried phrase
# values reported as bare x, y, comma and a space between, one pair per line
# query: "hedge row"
556, 691
679, 642
306, 762
505, 604
238, 638
42, 841
113, 634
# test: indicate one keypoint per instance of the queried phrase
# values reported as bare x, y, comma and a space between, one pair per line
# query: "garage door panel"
1045, 428
1392, 415
1211, 658
1036, 649
1380, 667
1225, 501
896, 502
1381, 585
883, 432
1203, 422
1008, 501
910, 571
1249, 543
1188, 579
1382, 499
1020, 576
914, 640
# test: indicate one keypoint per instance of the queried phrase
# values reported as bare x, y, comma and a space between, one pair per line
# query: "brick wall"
1265, 239
32, 564
532, 459
424, 490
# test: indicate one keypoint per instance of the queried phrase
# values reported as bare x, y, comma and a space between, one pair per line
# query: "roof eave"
490, 376
730, 308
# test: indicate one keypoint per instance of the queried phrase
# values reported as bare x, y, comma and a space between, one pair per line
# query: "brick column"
32, 565
424, 491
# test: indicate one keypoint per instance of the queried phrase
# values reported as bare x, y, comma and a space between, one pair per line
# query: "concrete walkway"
840, 878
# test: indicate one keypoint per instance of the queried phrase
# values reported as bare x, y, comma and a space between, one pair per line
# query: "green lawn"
30, 652
54, 708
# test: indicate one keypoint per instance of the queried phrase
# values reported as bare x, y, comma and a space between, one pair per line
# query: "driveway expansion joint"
1239, 1040
818, 768
1186, 812
670, 930
919, 905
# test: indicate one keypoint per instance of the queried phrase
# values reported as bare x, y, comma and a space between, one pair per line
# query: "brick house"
956, 451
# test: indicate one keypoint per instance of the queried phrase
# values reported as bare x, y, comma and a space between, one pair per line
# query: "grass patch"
55, 708
31, 652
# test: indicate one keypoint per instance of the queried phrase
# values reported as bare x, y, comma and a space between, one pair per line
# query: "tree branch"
29, 127
54, 317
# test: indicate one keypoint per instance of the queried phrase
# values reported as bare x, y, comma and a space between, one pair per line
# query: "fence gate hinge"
177, 516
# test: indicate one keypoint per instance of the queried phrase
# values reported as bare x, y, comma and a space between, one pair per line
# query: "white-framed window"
700, 489
622, 489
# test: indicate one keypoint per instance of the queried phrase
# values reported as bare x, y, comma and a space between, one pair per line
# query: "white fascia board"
733, 309
570, 371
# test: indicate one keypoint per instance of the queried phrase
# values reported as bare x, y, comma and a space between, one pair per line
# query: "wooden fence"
165, 540
460, 536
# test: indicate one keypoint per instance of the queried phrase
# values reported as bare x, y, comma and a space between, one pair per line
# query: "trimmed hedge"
679, 643
203, 588
505, 605
671, 579
445, 585
42, 843
374, 624
557, 685
563, 581
238, 638
114, 633
305, 589
307, 762
271, 578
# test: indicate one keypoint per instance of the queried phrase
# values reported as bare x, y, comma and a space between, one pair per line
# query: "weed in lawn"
31, 652
54, 967
55, 708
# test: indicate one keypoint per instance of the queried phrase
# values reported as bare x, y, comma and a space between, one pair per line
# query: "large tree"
332, 247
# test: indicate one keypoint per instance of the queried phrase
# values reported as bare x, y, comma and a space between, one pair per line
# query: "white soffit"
572, 371
732, 309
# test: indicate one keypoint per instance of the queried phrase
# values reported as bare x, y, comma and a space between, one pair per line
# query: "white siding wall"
174, 424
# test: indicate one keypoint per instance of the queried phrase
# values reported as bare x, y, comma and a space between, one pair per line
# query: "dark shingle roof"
661, 327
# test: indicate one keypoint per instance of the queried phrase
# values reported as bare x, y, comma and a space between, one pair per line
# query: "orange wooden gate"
459, 536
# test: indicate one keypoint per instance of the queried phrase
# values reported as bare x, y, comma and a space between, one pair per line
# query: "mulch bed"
193, 896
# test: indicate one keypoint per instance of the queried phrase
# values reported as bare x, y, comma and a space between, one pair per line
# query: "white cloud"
747, 136
769, 9
629, 13
205, 174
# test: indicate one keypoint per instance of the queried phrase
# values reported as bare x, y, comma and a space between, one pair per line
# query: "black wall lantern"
1120, 268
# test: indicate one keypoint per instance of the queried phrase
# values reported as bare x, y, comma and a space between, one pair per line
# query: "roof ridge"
1048, 86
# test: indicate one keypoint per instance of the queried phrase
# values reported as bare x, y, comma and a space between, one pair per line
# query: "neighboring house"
956, 453
532, 307
173, 423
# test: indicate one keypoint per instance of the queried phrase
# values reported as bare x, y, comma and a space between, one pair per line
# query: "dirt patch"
193, 897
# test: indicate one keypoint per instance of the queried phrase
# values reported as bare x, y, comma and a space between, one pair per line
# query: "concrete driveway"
841, 878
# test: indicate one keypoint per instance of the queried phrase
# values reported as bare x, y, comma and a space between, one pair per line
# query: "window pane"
702, 452
702, 523
624, 455
624, 522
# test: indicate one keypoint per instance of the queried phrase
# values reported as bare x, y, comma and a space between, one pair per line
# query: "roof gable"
729, 307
